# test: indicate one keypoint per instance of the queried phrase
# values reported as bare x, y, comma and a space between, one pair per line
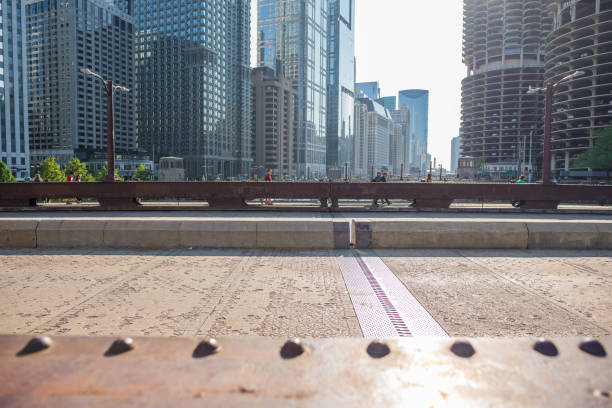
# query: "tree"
143, 173
5, 174
101, 176
51, 171
600, 156
79, 169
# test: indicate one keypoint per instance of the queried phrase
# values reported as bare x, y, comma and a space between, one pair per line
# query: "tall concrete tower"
503, 50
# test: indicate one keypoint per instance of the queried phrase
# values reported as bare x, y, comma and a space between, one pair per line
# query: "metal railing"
233, 195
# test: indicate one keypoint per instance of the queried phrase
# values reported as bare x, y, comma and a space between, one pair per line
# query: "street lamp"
110, 126
550, 89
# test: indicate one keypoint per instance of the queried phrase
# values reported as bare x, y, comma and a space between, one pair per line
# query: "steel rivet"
378, 349
120, 346
601, 394
35, 345
546, 347
463, 349
593, 347
206, 348
292, 348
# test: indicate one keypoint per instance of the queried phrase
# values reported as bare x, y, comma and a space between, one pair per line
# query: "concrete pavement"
298, 293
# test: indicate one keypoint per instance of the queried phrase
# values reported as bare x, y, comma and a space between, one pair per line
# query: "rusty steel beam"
152, 372
235, 194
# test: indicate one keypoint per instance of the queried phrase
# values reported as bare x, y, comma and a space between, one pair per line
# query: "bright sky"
406, 44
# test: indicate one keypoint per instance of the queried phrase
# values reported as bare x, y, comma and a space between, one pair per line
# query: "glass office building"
295, 33
417, 100
341, 85
67, 109
14, 139
368, 90
389, 102
193, 83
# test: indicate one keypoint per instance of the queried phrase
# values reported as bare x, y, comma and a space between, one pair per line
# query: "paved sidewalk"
297, 293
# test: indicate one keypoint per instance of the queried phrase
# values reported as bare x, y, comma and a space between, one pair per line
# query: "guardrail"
232, 195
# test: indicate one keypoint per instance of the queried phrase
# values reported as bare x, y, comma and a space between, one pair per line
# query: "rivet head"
378, 349
120, 346
593, 347
463, 349
292, 349
206, 348
35, 345
546, 347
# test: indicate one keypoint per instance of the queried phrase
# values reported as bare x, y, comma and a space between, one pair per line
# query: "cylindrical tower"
581, 40
503, 49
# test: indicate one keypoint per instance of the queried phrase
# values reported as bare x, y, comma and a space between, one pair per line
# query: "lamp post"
110, 126
550, 90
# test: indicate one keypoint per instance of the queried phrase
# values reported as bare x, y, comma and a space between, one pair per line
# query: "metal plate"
331, 372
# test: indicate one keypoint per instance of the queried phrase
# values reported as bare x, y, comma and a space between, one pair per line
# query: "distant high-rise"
373, 132
403, 149
389, 102
368, 90
581, 40
193, 82
273, 122
455, 153
340, 84
14, 148
417, 100
503, 50
295, 33
67, 109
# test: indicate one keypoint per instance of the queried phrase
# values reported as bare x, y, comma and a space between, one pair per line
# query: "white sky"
406, 44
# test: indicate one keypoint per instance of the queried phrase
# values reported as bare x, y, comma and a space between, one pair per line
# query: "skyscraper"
341, 84
295, 33
14, 148
368, 90
455, 153
389, 102
193, 82
403, 150
503, 50
583, 105
417, 100
67, 108
273, 122
373, 132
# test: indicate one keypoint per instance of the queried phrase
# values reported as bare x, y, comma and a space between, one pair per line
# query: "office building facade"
455, 153
193, 83
417, 101
503, 50
295, 33
373, 133
14, 134
581, 40
67, 109
368, 90
403, 146
273, 123
389, 102
340, 85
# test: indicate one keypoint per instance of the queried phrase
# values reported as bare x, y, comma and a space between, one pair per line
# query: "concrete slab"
69, 233
18, 233
218, 234
566, 235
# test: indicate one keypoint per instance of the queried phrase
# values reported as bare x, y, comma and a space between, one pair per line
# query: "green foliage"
101, 176
600, 156
51, 171
79, 169
143, 173
5, 174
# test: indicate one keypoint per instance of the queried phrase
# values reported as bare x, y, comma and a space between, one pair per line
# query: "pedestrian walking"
384, 180
268, 179
37, 178
70, 179
376, 179
78, 180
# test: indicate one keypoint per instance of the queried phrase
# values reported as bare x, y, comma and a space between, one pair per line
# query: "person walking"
268, 179
376, 179
70, 179
37, 178
78, 180
384, 180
